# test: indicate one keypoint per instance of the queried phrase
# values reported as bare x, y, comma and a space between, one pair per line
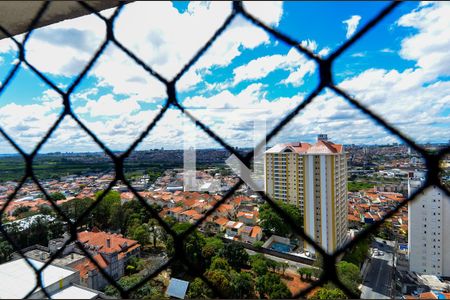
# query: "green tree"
219, 263
198, 289
150, 290
259, 264
134, 264
57, 196
385, 231
307, 273
275, 224
242, 285
45, 210
5, 251
283, 267
116, 218
213, 245
270, 285
141, 234
21, 210
192, 246
258, 244
324, 293
76, 207
235, 254
221, 280
104, 210
358, 254
349, 275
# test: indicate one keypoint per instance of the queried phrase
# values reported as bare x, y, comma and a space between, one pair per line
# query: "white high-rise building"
429, 231
314, 178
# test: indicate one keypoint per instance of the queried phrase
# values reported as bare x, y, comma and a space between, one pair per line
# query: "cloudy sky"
400, 70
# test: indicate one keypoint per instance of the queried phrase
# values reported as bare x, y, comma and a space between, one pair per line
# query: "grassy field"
12, 168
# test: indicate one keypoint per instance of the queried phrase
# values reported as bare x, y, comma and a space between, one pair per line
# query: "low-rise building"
18, 279
110, 251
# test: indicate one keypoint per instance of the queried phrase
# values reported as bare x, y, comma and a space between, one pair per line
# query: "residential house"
248, 218
233, 229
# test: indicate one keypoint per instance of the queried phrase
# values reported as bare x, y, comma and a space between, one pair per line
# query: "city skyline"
237, 75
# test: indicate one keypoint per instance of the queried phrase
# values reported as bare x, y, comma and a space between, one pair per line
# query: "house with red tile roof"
250, 234
188, 215
110, 251
256, 234
175, 212
248, 218
233, 229
225, 210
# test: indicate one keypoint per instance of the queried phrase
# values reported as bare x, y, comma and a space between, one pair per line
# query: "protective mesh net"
329, 273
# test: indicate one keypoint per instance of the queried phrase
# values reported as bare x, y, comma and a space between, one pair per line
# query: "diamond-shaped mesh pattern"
326, 81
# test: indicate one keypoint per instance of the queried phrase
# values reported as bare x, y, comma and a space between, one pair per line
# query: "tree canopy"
349, 275
275, 224
150, 290
57, 196
235, 254
324, 293
271, 285
198, 289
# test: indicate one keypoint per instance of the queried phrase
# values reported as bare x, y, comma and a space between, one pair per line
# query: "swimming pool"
280, 247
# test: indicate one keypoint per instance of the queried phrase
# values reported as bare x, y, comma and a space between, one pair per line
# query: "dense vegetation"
355, 186
348, 271
273, 223
54, 166
39, 231
152, 289
227, 267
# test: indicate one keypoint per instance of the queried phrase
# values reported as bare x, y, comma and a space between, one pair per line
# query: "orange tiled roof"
225, 208
247, 215
256, 230
221, 221
353, 218
190, 212
176, 209
117, 242
189, 202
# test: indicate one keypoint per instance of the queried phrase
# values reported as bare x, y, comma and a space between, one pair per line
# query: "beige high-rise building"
314, 178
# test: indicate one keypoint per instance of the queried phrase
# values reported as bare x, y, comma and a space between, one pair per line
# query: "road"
377, 281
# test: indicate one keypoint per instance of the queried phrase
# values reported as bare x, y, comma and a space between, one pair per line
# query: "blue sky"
247, 75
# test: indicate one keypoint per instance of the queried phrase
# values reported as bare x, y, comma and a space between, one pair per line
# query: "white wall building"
17, 279
313, 177
429, 231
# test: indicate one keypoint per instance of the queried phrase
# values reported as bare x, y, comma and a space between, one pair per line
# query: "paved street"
377, 282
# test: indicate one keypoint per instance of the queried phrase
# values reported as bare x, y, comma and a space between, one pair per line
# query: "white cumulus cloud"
352, 24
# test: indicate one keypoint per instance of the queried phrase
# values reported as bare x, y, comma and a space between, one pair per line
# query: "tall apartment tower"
429, 231
314, 178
